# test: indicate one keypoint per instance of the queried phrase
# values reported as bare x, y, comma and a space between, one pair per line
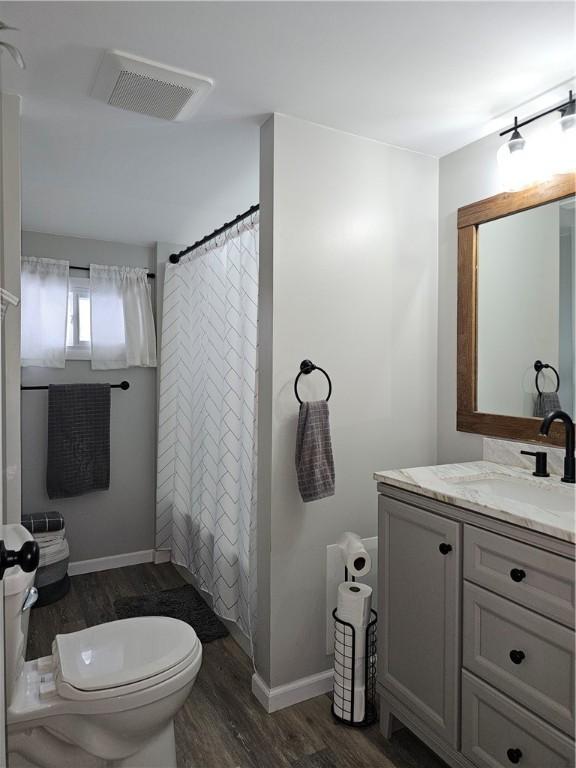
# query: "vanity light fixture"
551, 151
563, 139
514, 161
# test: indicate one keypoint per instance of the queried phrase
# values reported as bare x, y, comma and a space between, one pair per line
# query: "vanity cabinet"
476, 634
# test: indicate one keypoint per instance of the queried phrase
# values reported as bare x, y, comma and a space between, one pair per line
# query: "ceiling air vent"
143, 86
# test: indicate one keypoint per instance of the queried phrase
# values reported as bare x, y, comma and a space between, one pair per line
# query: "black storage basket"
344, 666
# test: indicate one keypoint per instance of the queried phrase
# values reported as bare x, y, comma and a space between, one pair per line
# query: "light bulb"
563, 141
515, 163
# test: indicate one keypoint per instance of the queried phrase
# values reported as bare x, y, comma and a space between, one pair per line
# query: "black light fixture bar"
529, 120
175, 257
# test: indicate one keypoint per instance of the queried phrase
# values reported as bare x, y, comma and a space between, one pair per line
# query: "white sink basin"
555, 497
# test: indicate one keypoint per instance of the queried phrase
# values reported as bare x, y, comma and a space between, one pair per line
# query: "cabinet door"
419, 617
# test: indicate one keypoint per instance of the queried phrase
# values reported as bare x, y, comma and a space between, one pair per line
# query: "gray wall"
567, 361
467, 175
119, 520
348, 259
10, 235
518, 273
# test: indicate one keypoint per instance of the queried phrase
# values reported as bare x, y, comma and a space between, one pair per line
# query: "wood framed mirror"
517, 306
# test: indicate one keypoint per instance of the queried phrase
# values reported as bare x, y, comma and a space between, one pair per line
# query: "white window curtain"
44, 312
122, 323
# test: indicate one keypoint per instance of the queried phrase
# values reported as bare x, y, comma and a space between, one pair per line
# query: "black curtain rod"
122, 385
87, 269
175, 257
529, 120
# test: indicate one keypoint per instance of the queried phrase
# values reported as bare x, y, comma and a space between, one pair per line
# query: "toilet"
105, 698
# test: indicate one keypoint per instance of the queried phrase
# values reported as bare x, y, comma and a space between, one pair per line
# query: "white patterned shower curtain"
206, 485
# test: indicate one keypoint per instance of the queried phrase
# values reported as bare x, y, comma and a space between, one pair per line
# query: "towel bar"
122, 385
539, 366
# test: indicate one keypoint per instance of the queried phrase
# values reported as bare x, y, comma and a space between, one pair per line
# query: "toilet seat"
120, 657
44, 690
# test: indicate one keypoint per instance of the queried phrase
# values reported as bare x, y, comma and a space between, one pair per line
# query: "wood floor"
222, 725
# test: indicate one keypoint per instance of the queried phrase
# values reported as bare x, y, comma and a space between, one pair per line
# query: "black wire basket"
345, 639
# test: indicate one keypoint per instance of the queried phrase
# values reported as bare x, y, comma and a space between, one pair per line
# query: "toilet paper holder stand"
345, 640
345, 644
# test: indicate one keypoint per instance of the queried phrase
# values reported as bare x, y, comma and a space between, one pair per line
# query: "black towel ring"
306, 367
539, 367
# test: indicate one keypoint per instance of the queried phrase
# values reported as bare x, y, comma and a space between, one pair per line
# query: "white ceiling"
428, 76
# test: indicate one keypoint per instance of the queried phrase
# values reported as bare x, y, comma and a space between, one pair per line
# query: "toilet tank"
17, 585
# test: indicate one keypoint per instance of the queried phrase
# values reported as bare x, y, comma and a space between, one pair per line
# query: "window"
105, 318
78, 343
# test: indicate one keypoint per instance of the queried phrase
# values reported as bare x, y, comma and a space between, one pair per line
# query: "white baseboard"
162, 556
273, 699
114, 561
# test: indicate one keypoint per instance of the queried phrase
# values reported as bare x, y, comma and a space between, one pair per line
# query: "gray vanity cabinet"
476, 650
420, 613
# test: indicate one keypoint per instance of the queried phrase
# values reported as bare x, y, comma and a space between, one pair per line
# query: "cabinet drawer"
532, 577
497, 733
521, 653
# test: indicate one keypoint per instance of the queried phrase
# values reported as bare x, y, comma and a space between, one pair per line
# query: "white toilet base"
38, 748
160, 752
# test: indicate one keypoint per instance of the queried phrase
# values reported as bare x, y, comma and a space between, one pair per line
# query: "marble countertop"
446, 482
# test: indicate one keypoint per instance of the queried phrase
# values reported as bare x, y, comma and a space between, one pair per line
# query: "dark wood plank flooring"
221, 724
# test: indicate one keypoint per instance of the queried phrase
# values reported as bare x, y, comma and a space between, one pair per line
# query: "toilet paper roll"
354, 606
355, 555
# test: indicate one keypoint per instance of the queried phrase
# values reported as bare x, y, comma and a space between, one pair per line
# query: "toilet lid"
119, 653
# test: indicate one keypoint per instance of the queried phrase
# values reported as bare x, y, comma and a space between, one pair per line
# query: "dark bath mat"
181, 603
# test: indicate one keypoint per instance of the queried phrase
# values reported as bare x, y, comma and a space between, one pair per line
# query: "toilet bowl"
105, 698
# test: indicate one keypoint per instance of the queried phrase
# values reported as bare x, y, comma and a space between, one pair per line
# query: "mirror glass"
526, 311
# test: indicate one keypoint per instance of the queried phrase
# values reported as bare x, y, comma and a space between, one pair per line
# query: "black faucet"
569, 463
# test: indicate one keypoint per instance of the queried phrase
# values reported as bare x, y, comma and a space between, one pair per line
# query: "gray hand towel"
545, 403
78, 439
314, 460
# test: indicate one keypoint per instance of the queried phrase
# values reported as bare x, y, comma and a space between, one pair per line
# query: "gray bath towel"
545, 403
78, 439
314, 460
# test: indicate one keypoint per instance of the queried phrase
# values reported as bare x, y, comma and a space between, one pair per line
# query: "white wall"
121, 519
348, 279
518, 308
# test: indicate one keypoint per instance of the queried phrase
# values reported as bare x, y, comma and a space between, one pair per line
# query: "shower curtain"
206, 487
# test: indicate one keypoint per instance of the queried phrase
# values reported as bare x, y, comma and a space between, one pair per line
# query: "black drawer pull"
517, 574
514, 755
517, 657
445, 548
